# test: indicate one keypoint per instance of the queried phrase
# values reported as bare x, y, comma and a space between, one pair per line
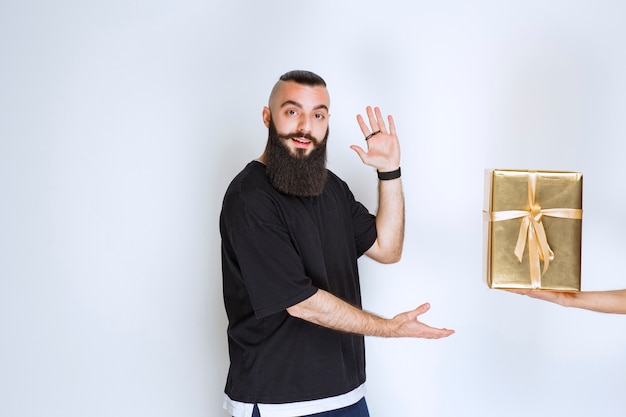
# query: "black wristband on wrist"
390, 175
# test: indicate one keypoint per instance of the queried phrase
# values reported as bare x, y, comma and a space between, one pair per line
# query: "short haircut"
303, 77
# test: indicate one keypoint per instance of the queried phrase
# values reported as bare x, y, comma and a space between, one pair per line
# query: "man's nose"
304, 124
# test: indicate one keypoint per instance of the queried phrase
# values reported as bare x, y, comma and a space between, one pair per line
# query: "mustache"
298, 135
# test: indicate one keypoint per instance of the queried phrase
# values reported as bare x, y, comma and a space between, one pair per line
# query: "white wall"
122, 122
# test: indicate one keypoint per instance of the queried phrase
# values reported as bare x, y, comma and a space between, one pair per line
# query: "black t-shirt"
277, 250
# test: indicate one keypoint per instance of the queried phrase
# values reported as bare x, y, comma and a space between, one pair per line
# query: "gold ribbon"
532, 228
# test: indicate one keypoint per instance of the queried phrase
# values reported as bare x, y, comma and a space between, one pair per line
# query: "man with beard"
291, 236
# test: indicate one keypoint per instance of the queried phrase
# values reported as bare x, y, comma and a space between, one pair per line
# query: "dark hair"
303, 77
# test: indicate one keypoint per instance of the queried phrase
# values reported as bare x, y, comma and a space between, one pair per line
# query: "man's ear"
266, 116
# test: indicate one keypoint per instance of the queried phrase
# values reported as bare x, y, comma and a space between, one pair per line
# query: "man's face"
300, 116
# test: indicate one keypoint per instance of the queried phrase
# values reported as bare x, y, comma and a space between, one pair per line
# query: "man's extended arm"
326, 310
383, 153
389, 223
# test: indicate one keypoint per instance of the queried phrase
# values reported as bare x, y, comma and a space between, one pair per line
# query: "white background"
122, 123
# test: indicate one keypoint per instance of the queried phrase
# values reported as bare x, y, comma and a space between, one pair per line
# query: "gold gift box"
532, 229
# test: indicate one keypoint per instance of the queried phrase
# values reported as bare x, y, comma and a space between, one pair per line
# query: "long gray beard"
299, 175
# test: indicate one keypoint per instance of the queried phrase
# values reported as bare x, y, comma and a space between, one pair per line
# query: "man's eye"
319, 116
291, 112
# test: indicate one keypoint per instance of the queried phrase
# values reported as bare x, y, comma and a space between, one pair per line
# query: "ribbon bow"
532, 230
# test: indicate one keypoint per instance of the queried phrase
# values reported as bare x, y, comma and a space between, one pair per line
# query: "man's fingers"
392, 125
364, 128
372, 118
421, 309
376, 121
436, 333
380, 120
439, 333
430, 332
362, 154
414, 314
